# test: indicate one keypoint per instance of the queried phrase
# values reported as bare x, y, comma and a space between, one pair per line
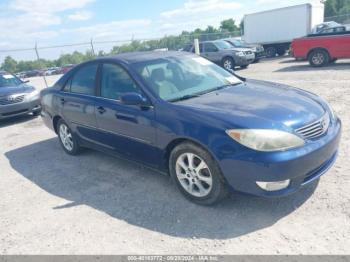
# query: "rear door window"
83, 81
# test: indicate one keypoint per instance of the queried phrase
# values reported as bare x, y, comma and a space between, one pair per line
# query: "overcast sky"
54, 22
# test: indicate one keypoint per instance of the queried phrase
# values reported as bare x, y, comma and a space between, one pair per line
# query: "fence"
101, 47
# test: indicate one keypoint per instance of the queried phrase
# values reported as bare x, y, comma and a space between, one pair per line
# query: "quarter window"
83, 81
116, 82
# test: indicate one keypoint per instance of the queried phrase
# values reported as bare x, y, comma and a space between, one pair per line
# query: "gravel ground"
52, 203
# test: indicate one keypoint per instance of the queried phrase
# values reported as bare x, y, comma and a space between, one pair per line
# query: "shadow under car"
142, 197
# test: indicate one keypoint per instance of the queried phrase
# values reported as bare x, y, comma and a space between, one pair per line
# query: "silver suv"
224, 54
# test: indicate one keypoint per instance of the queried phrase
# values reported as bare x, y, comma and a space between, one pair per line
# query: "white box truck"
275, 29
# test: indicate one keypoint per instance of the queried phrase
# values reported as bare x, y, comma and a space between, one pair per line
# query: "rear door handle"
101, 110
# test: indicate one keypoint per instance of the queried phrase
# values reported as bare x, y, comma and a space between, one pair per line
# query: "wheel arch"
180, 140
177, 141
55, 121
318, 48
228, 56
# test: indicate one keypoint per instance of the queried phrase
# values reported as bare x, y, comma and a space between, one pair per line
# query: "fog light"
273, 186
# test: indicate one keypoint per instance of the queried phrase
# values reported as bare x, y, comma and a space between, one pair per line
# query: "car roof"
135, 57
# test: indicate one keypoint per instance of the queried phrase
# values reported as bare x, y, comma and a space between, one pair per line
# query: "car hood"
240, 49
11, 90
258, 104
251, 45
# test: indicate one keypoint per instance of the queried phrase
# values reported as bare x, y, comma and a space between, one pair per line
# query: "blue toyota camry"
212, 131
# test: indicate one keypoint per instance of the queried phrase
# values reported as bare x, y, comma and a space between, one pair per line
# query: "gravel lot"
52, 203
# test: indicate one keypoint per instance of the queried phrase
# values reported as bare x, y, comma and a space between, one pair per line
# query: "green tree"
9, 64
229, 25
337, 7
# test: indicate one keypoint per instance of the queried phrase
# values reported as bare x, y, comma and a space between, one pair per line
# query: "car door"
77, 101
211, 52
341, 44
126, 129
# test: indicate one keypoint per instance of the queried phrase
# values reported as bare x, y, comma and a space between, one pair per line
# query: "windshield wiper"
185, 97
222, 87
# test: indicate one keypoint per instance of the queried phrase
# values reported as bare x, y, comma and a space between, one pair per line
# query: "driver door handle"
101, 110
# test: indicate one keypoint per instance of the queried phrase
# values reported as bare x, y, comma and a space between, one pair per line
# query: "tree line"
227, 28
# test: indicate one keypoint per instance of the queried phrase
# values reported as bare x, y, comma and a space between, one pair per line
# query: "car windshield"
179, 78
223, 45
237, 42
9, 80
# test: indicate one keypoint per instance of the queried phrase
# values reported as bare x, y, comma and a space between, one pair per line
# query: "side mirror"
134, 99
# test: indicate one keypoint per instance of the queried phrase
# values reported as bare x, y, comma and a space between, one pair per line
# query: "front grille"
8, 100
248, 52
315, 129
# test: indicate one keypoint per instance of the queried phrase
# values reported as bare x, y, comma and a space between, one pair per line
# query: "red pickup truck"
322, 49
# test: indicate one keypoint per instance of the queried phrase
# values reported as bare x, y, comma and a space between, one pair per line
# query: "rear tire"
281, 52
67, 139
271, 51
196, 174
318, 58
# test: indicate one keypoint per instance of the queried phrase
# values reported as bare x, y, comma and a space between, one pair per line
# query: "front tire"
319, 58
197, 174
67, 139
228, 63
36, 113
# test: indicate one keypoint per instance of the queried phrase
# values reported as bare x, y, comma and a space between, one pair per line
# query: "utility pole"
92, 47
38, 58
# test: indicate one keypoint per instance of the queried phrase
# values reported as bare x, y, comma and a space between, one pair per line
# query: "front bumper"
301, 165
244, 60
22, 108
259, 55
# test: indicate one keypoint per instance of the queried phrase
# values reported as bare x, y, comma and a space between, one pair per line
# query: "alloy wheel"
318, 58
194, 175
228, 64
66, 137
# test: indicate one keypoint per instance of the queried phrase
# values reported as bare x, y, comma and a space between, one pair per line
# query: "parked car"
51, 71
17, 97
225, 55
258, 50
34, 73
213, 131
322, 49
64, 69
21, 75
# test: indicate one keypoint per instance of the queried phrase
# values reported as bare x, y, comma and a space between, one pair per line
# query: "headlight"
330, 109
33, 95
265, 139
240, 53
